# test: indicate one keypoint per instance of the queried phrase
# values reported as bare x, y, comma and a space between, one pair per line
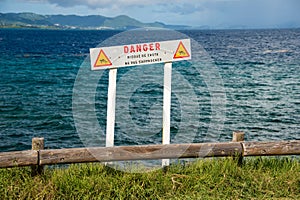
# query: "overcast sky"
213, 13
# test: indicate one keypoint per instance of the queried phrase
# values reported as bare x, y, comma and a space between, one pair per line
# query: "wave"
277, 51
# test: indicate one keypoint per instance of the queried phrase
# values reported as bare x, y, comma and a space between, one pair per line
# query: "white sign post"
111, 107
167, 107
140, 54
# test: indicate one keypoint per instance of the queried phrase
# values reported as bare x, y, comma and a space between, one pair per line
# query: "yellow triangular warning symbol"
181, 52
102, 60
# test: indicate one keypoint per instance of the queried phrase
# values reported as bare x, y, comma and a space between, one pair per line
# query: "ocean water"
250, 81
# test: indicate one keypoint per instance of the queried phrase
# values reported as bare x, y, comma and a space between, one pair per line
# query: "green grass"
257, 178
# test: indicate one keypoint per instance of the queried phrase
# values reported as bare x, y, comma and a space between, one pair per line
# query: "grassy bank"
259, 178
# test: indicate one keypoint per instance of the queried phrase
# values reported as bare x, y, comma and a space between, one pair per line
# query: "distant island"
91, 22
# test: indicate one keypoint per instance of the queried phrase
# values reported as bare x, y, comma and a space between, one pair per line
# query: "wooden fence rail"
18, 158
41, 157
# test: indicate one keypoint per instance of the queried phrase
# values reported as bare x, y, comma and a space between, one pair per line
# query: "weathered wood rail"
39, 157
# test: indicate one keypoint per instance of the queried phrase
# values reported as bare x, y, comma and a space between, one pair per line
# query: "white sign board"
140, 54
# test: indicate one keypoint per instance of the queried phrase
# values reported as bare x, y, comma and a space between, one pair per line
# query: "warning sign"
181, 51
140, 54
102, 60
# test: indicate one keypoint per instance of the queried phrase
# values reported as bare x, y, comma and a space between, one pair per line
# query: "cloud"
179, 4
181, 9
103, 3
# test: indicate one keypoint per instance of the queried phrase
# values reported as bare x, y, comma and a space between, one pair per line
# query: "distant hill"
31, 20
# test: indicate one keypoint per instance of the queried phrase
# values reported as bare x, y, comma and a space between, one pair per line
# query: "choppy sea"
247, 80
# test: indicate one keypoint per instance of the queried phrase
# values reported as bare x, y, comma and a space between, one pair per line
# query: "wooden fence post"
37, 145
238, 136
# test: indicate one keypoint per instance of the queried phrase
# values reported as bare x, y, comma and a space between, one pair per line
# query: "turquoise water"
259, 69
